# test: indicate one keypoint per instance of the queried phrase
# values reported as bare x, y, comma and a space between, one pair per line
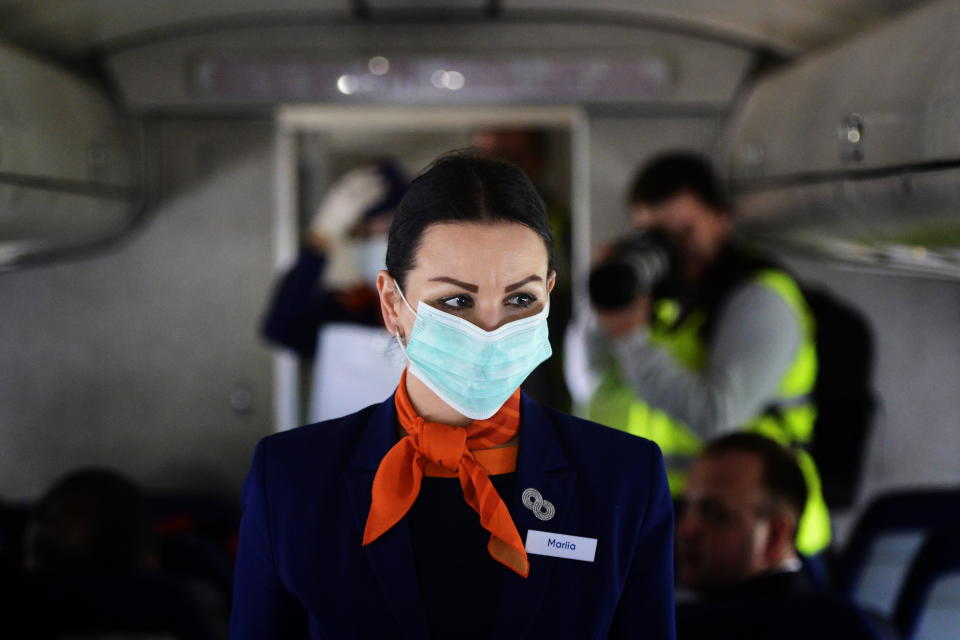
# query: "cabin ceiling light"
378, 65
453, 80
347, 84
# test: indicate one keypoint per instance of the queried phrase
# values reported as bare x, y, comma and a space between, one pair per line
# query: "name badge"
560, 545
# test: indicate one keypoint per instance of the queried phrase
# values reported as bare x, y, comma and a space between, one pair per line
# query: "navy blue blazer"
301, 571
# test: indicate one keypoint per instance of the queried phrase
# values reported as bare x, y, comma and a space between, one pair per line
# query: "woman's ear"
389, 302
551, 281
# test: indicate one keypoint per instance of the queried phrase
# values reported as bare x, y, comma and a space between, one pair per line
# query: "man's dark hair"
782, 478
91, 518
676, 172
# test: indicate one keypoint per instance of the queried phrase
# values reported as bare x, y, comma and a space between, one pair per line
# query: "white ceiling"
68, 28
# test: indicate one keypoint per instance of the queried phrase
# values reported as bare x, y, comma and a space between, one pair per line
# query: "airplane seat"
209, 517
928, 606
821, 615
202, 565
13, 527
21, 613
110, 603
885, 541
197, 543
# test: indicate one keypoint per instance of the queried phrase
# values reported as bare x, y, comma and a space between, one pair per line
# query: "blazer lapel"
391, 555
541, 465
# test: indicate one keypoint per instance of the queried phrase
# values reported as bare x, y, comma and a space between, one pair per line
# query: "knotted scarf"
470, 453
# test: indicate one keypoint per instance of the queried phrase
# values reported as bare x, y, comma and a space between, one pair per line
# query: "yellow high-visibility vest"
789, 421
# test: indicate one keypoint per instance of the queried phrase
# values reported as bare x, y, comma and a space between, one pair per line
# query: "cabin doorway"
315, 145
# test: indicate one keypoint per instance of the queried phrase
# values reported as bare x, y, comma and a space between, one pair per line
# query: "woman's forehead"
481, 253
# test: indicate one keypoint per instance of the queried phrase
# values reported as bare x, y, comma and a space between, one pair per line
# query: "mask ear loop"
403, 297
397, 328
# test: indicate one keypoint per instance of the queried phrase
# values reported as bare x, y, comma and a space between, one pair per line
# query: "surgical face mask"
472, 370
354, 261
371, 257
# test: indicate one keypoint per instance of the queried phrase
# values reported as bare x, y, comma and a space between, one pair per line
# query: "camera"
642, 264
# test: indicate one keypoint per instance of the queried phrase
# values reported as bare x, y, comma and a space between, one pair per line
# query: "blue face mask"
472, 370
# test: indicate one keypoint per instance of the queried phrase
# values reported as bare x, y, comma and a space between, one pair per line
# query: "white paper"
355, 367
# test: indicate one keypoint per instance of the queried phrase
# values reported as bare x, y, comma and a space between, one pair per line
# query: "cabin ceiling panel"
69, 28
75, 27
788, 26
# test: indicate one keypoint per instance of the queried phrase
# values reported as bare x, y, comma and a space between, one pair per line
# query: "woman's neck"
430, 407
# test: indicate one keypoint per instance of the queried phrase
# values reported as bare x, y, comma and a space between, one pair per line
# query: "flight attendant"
458, 508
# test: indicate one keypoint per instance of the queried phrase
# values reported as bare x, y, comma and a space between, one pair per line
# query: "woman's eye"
456, 302
522, 300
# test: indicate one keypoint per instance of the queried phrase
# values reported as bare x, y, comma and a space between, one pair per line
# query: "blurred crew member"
736, 550
325, 308
459, 507
695, 337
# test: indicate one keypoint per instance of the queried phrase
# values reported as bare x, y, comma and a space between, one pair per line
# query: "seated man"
90, 545
737, 560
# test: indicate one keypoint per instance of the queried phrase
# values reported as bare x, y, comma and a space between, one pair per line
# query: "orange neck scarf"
435, 449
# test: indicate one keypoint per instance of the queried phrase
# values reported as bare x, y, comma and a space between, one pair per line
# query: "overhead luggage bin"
855, 152
67, 173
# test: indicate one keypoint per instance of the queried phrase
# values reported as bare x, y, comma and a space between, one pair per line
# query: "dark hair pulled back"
463, 186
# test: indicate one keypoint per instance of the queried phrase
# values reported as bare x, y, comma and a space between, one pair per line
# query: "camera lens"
639, 265
613, 285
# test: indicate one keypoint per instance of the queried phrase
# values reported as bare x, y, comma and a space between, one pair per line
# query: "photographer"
693, 337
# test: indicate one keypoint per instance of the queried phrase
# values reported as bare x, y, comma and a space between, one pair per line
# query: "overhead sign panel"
418, 79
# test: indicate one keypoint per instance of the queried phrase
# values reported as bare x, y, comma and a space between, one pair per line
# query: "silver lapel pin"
542, 509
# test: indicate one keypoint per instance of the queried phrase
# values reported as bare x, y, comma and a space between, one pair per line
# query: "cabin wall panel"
128, 358
915, 440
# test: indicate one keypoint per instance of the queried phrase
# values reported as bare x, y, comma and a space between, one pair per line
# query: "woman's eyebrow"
466, 285
517, 285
